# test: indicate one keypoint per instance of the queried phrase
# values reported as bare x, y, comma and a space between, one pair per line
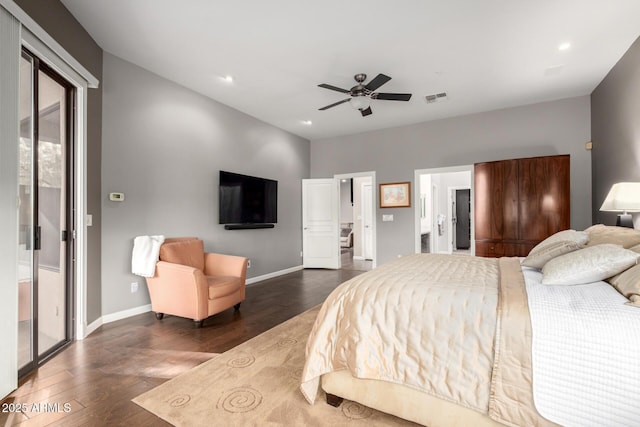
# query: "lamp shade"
623, 197
360, 102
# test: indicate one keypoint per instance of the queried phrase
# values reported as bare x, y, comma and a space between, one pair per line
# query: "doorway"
356, 222
321, 222
45, 258
444, 216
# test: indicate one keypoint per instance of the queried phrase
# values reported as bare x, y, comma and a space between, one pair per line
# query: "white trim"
81, 214
9, 205
92, 327
28, 23
374, 195
257, 279
358, 258
114, 317
373, 218
119, 315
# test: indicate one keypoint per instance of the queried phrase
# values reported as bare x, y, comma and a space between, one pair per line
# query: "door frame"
39, 66
416, 189
372, 175
82, 80
363, 228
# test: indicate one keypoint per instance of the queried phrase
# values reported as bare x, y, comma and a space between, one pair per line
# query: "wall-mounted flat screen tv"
247, 199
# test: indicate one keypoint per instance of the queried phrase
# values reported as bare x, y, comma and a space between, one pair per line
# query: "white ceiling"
486, 54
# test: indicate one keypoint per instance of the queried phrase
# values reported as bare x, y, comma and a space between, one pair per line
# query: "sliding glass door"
45, 213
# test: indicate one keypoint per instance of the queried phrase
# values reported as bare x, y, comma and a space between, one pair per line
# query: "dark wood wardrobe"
519, 203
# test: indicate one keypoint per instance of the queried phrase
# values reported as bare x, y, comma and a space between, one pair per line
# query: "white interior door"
320, 223
367, 221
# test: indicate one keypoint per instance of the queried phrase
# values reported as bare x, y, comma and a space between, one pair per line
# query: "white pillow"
578, 237
588, 265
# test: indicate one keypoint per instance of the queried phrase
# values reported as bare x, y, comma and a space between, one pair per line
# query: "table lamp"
623, 197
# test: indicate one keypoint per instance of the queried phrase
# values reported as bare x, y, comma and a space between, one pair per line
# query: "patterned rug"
256, 384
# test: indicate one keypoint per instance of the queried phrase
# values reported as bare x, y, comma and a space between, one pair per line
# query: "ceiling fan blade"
377, 82
366, 111
337, 89
334, 104
392, 96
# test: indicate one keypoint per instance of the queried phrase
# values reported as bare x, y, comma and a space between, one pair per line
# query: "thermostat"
116, 197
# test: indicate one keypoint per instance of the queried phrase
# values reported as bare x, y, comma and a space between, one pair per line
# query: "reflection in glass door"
44, 249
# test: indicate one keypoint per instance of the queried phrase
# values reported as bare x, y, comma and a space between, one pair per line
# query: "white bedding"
586, 354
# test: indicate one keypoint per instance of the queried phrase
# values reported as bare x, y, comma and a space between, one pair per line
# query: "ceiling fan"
361, 94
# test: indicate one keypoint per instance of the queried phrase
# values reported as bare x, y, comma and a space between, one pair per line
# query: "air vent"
438, 97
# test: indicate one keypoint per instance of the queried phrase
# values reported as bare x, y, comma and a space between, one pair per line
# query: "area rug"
256, 384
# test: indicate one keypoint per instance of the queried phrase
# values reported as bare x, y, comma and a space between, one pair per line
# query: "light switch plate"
89, 220
387, 218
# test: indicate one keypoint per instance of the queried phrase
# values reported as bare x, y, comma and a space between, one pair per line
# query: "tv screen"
247, 199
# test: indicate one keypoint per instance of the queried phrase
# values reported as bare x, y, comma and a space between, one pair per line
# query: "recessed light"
227, 78
553, 70
564, 46
307, 122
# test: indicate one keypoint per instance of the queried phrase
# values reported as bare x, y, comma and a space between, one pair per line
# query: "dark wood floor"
94, 380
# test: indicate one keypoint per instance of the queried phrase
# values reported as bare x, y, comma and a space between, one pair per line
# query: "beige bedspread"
429, 322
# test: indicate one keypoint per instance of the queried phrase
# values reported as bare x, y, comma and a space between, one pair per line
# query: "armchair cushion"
221, 286
185, 252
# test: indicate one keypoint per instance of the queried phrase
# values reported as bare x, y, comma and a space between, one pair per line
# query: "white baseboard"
119, 315
108, 318
256, 279
91, 328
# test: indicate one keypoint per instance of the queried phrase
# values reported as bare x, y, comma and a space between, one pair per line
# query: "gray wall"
163, 147
56, 20
615, 130
558, 127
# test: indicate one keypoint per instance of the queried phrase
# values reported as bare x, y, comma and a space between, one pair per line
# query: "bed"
447, 340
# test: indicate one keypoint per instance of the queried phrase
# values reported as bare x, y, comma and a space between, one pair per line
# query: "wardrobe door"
483, 177
496, 200
510, 190
544, 200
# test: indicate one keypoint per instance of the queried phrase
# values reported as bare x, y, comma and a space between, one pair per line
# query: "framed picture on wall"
395, 195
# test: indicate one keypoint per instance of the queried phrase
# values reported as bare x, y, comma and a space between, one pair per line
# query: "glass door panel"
52, 213
25, 220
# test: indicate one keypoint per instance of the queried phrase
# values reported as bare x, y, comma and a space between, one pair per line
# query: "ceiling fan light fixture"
360, 102
360, 95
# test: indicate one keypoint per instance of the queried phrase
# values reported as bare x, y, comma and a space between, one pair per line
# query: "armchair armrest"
178, 289
225, 265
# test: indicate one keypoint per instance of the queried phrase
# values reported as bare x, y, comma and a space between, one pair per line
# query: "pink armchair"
191, 283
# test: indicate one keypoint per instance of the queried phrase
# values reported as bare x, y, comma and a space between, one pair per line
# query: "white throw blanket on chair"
146, 250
